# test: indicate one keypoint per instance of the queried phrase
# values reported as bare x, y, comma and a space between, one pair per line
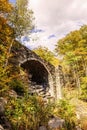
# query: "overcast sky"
54, 19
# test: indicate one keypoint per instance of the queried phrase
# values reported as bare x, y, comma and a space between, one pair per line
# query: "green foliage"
21, 18
13, 23
28, 112
73, 49
83, 95
47, 55
17, 86
66, 111
6, 33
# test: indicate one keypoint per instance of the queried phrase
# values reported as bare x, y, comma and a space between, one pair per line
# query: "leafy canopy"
47, 55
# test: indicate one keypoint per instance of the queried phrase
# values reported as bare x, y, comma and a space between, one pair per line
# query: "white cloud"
57, 17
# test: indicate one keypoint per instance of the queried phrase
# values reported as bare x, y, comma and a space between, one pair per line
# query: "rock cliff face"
40, 72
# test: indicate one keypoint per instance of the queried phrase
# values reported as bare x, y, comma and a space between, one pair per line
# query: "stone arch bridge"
42, 73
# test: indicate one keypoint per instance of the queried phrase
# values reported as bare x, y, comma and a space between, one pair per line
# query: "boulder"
5, 123
56, 123
78, 128
1, 128
12, 93
42, 128
2, 109
3, 101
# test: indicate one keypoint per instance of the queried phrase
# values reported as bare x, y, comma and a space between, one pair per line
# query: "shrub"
83, 95
28, 113
84, 123
17, 86
66, 111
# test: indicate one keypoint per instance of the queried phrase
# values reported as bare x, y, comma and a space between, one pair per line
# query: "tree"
73, 48
6, 33
47, 55
21, 19
11, 28
5, 6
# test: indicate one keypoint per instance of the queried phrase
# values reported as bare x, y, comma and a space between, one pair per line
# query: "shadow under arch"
39, 73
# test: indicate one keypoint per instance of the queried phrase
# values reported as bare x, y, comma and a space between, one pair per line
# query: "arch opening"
37, 72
